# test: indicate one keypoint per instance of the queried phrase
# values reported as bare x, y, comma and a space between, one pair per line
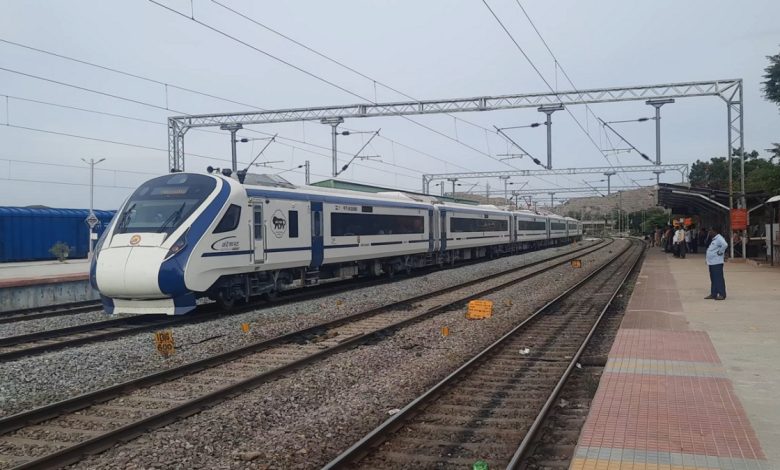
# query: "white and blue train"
183, 236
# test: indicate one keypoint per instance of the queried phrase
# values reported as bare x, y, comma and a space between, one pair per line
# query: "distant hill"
598, 207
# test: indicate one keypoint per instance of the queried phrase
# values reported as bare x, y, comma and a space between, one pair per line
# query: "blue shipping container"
27, 234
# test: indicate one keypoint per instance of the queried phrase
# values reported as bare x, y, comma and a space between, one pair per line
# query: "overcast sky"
424, 49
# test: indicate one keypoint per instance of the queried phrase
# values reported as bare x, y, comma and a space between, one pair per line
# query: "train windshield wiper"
122, 225
173, 218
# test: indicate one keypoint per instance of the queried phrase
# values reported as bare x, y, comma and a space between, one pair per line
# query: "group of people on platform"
680, 240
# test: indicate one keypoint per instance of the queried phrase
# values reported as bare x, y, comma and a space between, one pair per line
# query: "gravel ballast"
45, 378
307, 418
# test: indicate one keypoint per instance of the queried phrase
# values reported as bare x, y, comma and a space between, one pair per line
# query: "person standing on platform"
688, 240
715, 253
679, 243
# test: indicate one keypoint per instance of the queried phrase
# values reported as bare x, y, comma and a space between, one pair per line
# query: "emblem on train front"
135, 239
278, 224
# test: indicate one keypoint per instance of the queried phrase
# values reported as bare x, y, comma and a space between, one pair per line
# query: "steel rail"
364, 445
35, 313
516, 460
77, 451
296, 295
18, 420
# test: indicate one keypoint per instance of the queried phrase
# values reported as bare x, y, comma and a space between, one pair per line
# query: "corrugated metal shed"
26, 234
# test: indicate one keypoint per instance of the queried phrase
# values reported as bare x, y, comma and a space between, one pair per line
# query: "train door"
443, 229
259, 232
431, 230
317, 244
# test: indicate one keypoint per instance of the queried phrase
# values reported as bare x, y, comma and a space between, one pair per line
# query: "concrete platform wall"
42, 295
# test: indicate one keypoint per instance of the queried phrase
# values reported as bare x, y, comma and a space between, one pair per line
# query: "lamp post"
549, 110
233, 128
657, 103
92, 220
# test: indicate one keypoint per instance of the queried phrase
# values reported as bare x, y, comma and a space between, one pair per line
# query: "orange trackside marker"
576, 263
245, 327
479, 309
445, 330
164, 342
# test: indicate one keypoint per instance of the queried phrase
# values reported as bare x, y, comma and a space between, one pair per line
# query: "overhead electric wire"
554, 91
152, 80
315, 76
337, 62
114, 96
565, 74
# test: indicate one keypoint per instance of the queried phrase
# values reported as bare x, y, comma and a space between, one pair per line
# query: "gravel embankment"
51, 323
307, 418
42, 379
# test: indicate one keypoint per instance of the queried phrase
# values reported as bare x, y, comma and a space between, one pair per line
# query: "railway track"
491, 407
51, 311
15, 347
62, 433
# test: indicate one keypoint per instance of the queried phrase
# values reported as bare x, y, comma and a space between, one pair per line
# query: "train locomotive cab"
140, 263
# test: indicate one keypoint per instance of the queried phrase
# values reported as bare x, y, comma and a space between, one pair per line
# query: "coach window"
230, 220
462, 224
530, 225
344, 224
292, 216
258, 223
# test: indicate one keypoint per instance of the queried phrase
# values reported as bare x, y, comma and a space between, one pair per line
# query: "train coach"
183, 236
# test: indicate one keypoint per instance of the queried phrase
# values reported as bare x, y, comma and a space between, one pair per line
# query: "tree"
772, 83
715, 173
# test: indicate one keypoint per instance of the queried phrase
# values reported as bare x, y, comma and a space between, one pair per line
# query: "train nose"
130, 271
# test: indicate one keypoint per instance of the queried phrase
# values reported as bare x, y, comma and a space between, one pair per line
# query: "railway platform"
690, 383
43, 283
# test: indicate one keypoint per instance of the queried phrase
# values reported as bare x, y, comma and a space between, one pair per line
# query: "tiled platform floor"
664, 401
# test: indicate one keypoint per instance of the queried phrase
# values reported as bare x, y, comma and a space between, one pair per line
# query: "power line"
565, 74
337, 62
149, 121
140, 77
536, 69
315, 76
129, 74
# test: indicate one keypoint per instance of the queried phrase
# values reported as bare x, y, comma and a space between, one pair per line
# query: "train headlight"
179, 245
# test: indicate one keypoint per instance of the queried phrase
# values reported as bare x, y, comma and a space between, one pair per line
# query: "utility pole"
334, 123
453, 180
657, 103
233, 128
506, 187
548, 110
552, 201
609, 175
307, 172
92, 220
487, 192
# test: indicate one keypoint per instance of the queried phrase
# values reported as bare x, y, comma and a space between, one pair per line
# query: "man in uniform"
715, 253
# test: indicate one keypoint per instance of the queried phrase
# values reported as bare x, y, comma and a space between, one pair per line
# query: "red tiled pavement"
662, 411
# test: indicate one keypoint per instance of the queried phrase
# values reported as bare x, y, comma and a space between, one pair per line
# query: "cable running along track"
64, 432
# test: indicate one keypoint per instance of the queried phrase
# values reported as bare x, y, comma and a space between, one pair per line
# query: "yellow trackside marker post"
164, 342
479, 309
445, 330
576, 263
245, 327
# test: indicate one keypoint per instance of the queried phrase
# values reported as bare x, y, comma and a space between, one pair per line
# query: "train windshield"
162, 204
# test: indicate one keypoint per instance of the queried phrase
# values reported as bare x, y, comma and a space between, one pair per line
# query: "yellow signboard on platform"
164, 342
479, 309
